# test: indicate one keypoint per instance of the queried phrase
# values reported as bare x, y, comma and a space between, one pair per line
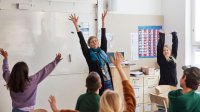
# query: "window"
195, 32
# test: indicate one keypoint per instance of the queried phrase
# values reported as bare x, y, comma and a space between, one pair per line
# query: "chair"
161, 96
164, 89
160, 101
39, 110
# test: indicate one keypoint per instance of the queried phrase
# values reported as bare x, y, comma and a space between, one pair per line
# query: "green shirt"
88, 102
179, 102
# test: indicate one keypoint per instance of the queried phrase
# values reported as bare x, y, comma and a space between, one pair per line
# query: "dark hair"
18, 78
93, 82
192, 77
90, 38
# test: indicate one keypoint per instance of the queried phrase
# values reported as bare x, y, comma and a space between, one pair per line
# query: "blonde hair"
167, 46
110, 101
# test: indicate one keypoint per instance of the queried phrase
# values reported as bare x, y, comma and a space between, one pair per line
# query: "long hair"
18, 78
110, 101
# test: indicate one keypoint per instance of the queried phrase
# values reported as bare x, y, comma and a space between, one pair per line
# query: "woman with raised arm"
95, 55
166, 58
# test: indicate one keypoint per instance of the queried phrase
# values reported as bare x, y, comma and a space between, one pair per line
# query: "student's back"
22, 87
88, 102
186, 99
179, 102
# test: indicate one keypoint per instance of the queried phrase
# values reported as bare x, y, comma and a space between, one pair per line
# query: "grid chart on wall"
147, 41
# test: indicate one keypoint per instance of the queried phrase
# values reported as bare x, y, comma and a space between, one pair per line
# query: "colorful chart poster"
147, 41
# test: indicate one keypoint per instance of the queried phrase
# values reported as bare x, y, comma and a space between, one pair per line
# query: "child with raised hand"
110, 101
23, 87
87, 102
54, 108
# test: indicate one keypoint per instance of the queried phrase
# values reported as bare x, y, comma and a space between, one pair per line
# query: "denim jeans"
108, 85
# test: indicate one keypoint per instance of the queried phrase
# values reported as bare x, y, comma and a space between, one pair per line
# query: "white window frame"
195, 44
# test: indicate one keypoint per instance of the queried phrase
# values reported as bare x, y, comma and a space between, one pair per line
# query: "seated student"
110, 101
22, 86
186, 99
87, 102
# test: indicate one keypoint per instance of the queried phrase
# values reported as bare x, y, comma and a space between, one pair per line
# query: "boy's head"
190, 78
93, 82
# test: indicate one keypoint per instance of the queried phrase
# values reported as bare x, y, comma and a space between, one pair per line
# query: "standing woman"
96, 56
166, 58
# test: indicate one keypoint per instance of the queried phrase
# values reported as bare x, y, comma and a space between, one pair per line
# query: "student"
166, 58
110, 101
186, 99
23, 87
96, 56
88, 102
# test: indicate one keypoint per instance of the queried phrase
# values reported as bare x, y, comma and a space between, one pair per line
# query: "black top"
168, 73
93, 66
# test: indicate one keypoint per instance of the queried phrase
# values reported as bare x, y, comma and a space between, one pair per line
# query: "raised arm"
5, 67
84, 46
160, 47
129, 94
54, 108
174, 44
44, 72
103, 33
74, 19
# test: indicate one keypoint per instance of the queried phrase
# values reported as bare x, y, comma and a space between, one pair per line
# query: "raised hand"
117, 62
58, 57
74, 19
103, 17
4, 53
118, 59
52, 102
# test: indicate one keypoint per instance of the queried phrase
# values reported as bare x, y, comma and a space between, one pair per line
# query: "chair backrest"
39, 110
159, 100
164, 89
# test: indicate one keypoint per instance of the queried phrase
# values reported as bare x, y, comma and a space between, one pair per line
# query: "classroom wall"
67, 87
120, 26
138, 7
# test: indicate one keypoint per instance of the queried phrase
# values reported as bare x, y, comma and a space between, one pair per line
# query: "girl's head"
167, 51
93, 42
110, 101
18, 78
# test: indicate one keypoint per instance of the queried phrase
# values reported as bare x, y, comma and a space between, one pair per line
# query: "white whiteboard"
36, 37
